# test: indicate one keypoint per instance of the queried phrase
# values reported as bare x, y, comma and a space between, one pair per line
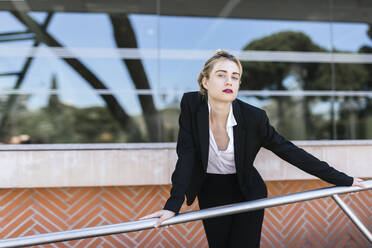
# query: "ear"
205, 83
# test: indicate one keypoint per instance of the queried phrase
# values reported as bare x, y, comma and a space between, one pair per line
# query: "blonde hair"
209, 64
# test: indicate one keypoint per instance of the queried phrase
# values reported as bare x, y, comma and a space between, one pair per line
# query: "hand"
358, 182
163, 214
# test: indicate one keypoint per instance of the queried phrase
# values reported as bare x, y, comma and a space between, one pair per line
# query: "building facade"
82, 81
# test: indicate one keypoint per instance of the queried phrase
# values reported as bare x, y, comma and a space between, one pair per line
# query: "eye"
220, 75
235, 78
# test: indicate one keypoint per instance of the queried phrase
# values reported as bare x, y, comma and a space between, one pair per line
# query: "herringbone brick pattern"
316, 223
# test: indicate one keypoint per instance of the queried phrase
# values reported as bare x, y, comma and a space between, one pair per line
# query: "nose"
228, 81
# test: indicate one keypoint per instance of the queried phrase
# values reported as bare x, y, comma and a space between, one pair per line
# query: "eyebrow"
226, 72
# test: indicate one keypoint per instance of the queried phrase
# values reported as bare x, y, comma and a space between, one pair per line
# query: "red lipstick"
229, 91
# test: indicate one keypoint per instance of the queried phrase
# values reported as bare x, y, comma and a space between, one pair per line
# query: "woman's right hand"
163, 214
358, 182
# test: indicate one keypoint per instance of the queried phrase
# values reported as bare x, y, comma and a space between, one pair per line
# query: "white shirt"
222, 161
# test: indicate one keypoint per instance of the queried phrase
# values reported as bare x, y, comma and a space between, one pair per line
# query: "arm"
182, 173
185, 151
298, 157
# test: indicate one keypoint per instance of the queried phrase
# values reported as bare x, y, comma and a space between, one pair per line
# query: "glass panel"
169, 43
182, 75
57, 119
297, 117
243, 34
178, 74
61, 118
7, 82
351, 37
84, 74
286, 76
8, 23
311, 118
94, 43
65, 118
209, 33
353, 77
351, 29
354, 118
102, 30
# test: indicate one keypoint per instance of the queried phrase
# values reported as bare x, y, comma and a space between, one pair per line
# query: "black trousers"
231, 231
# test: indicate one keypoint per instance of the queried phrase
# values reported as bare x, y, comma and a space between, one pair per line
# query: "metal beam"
6, 74
300, 10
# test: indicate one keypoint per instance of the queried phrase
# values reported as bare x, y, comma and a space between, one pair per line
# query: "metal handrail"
89, 232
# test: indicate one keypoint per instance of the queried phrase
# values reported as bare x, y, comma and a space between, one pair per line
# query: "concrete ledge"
163, 145
151, 164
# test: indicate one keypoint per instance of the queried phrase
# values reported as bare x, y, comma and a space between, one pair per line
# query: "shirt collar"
230, 119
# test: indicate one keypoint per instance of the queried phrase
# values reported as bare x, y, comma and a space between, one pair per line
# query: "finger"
150, 216
360, 185
162, 218
145, 217
158, 223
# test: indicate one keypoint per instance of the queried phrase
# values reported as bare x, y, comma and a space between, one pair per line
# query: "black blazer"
252, 132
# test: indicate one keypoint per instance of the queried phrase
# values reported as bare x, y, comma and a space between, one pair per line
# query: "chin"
224, 97
227, 98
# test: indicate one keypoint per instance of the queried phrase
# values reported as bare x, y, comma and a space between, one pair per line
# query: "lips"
229, 91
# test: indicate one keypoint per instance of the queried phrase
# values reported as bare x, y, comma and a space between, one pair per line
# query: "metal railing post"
354, 218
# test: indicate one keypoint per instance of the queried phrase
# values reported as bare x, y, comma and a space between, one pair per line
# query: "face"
224, 81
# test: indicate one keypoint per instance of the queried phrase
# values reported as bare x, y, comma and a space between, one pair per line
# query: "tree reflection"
12, 99
309, 76
295, 117
125, 37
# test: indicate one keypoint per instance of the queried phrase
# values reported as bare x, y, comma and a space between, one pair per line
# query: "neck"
219, 112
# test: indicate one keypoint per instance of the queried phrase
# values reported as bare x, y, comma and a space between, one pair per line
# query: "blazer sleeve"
186, 152
298, 157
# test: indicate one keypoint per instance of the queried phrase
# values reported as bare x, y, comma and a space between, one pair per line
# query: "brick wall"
315, 223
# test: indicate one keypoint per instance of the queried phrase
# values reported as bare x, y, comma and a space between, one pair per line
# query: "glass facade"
113, 72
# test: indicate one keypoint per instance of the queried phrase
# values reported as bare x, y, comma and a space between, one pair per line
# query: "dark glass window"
90, 72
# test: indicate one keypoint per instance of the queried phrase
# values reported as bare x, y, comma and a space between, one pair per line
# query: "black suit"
252, 132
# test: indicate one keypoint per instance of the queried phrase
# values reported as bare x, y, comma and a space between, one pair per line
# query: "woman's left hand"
358, 182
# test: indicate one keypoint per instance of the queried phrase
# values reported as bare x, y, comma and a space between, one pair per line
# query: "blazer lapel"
239, 140
202, 116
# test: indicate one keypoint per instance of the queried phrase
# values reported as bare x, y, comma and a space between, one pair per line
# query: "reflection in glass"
235, 34
59, 121
353, 77
123, 36
354, 117
303, 118
57, 114
351, 37
310, 118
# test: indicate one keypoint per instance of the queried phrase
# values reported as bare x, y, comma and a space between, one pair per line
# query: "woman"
219, 138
